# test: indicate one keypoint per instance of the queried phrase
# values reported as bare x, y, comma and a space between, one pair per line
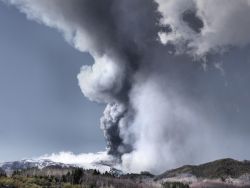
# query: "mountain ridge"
11, 166
213, 169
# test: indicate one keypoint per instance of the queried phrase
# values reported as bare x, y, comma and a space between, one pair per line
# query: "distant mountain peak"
10, 167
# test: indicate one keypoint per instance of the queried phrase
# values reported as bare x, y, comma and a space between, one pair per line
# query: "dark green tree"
77, 175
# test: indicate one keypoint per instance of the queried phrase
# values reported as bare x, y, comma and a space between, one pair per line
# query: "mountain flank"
216, 169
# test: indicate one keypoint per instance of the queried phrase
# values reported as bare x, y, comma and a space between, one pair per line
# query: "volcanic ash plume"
147, 70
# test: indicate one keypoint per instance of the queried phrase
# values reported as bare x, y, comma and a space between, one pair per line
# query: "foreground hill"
217, 169
217, 174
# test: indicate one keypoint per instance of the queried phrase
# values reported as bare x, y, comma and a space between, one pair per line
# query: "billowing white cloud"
45, 12
85, 160
163, 126
97, 81
225, 23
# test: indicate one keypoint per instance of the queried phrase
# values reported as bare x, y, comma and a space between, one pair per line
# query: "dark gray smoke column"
125, 38
116, 33
157, 113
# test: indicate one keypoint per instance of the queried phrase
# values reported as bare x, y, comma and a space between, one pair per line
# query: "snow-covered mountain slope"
9, 167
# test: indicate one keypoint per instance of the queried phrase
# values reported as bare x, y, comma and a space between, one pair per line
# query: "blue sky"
42, 109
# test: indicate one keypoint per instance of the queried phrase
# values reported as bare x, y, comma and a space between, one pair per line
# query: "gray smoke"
156, 65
